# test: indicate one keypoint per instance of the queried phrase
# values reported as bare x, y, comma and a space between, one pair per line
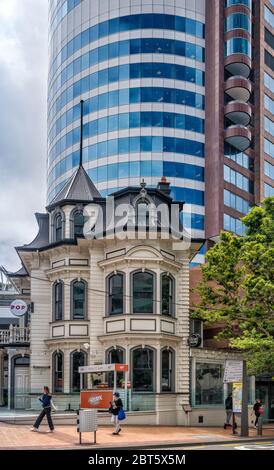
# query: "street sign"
233, 371
18, 308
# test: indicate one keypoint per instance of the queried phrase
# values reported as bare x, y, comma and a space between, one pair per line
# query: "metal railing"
15, 335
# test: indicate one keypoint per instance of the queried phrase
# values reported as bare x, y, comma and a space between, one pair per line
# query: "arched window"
143, 369
78, 300
115, 294
167, 370
167, 295
143, 292
78, 224
58, 372
58, 228
115, 356
78, 359
58, 301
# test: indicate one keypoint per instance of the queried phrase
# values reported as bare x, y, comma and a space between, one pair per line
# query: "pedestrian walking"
228, 410
46, 400
258, 410
116, 409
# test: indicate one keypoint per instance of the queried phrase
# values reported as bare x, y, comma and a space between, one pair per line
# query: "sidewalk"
66, 437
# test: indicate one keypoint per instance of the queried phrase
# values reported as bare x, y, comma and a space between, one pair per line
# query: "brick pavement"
66, 437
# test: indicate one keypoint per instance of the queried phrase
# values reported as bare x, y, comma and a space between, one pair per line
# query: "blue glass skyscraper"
139, 67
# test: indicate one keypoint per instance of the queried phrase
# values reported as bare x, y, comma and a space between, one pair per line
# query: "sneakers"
34, 429
50, 430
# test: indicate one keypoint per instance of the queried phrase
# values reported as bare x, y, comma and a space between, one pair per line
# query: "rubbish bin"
87, 421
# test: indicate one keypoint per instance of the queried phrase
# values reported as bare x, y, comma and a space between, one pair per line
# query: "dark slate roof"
22, 272
79, 188
42, 238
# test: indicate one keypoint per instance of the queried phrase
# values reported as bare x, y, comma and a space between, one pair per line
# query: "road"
241, 446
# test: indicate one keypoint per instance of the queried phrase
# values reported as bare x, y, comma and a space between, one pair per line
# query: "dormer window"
78, 224
58, 228
142, 214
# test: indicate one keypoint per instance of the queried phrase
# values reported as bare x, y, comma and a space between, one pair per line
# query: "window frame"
74, 213
54, 388
172, 370
108, 303
73, 282
154, 292
54, 286
172, 314
154, 368
76, 351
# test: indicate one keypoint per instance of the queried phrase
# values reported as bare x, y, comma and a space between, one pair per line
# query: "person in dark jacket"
45, 399
228, 410
256, 408
115, 406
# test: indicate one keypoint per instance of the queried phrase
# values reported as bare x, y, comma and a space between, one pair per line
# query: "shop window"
209, 384
58, 372
78, 359
167, 370
143, 370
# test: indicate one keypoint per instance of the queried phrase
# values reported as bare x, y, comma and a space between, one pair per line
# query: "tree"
237, 288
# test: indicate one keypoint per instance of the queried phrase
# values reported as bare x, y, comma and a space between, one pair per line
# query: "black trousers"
257, 419
45, 412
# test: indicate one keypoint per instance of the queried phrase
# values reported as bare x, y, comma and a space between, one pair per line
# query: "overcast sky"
23, 95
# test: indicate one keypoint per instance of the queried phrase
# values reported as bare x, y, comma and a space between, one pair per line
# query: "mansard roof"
42, 238
79, 188
22, 272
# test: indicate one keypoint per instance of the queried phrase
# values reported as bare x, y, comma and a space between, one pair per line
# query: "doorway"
20, 387
265, 391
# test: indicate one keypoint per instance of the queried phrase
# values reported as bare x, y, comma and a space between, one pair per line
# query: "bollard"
260, 426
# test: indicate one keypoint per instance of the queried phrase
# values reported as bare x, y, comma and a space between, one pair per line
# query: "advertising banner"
98, 399
237, 395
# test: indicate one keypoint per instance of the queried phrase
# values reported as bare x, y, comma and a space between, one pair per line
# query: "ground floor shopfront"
146, 401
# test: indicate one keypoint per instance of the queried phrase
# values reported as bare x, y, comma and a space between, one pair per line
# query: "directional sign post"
235, 372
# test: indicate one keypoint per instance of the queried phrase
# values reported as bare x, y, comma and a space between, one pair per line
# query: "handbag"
121, 415
54, 407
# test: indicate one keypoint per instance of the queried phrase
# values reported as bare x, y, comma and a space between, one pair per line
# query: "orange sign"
99, 399
121, 367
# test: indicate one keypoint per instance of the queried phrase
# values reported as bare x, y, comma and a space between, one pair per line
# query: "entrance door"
21, 388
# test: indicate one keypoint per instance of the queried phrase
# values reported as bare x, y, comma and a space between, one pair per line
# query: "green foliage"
237, 288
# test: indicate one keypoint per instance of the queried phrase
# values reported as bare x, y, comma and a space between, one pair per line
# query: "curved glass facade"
238, 21
237, 46
247, 3
143, 93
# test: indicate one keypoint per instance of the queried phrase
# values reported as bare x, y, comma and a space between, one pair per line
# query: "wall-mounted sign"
233, 371
195, 340
18, 308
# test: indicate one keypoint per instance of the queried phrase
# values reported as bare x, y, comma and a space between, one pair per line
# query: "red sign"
98, 399
121, 367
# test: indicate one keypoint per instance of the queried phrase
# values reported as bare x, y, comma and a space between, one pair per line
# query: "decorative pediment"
144, 252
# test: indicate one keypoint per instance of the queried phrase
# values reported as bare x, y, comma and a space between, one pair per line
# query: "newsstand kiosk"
99, 396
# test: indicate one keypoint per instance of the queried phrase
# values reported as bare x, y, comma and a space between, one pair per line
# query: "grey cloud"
23, 94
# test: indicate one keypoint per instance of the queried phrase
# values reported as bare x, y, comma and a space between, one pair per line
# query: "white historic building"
120, 296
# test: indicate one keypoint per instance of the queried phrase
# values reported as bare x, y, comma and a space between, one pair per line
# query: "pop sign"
18, 308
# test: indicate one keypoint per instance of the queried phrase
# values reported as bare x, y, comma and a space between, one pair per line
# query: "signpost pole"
244, 416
